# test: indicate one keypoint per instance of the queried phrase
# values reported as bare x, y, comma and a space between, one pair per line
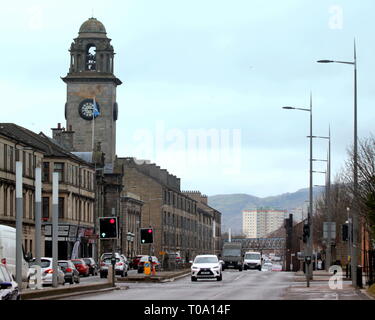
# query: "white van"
8, 251
252, 260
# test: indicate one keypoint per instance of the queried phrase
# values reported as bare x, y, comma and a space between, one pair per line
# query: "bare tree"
340, 199
365, 202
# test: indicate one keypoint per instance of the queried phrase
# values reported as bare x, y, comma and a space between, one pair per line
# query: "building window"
46, 172
11, 159
31, 166
5, 201
45, 208
59, 168
61, 208
31, 206
24, 162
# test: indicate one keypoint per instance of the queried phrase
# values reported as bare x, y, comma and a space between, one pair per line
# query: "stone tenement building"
182, 222
76, 190
209, 221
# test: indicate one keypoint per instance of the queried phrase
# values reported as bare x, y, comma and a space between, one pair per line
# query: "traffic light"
306, 232
108, 228
147, 235
345, 232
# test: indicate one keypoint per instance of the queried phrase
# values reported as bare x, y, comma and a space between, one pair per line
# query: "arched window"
91, 58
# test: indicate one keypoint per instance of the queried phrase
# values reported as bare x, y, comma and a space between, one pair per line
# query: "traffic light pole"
113, 260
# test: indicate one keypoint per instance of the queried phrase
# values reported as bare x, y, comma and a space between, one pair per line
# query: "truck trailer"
232, 255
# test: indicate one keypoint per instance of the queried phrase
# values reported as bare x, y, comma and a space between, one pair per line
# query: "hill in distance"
232, 205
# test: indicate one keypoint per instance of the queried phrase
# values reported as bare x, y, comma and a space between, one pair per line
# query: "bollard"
35, 281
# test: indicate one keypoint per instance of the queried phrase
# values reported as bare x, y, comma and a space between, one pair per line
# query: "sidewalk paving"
320, 290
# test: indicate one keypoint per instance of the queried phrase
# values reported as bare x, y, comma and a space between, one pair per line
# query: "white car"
121, 267
267, 266
47, 271
206, 267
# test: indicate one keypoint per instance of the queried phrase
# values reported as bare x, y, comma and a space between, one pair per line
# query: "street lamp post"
309, 274
354, 258
328, 199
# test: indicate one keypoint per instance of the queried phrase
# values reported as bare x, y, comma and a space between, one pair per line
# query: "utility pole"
19, 220
329, 208
113, 260
55, 227
38, 214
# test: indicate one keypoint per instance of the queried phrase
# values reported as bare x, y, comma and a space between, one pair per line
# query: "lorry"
8, 252
232, 255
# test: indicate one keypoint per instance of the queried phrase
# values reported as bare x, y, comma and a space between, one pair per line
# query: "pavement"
322, 289
49, 293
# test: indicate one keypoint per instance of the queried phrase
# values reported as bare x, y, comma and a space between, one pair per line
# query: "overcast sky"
224, 68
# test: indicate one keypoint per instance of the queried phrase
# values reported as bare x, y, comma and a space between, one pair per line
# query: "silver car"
121, 267
47, 271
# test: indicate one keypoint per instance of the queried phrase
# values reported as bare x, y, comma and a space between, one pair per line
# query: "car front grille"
205, 272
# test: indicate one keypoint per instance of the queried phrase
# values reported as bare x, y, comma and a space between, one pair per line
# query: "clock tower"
91, 109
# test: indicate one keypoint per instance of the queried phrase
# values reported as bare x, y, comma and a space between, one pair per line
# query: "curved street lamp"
309, 273
354, 258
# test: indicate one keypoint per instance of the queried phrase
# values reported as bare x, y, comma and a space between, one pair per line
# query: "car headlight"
194, 268
216, 268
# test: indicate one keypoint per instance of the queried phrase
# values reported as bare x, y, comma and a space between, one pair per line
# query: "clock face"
86, 109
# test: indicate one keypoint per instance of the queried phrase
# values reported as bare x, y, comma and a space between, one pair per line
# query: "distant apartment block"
259, 223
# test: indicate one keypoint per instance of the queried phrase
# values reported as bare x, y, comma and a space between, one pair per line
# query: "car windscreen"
2, 275
63, 264
206, 260
144, 259
88, 261
232, 252
108, 260
77, 262
252, 256
44, 263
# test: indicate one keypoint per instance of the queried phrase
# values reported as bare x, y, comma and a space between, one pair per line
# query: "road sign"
331, 236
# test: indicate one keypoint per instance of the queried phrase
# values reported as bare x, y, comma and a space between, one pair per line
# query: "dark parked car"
82, 267
71, 274
93, 267
8, 287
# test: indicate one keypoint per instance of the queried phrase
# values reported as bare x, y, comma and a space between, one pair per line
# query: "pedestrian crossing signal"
108, 228
147, 235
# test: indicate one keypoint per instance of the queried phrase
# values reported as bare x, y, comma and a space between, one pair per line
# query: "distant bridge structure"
261, 243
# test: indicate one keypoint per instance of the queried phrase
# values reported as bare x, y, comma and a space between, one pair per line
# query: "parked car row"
68, 271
